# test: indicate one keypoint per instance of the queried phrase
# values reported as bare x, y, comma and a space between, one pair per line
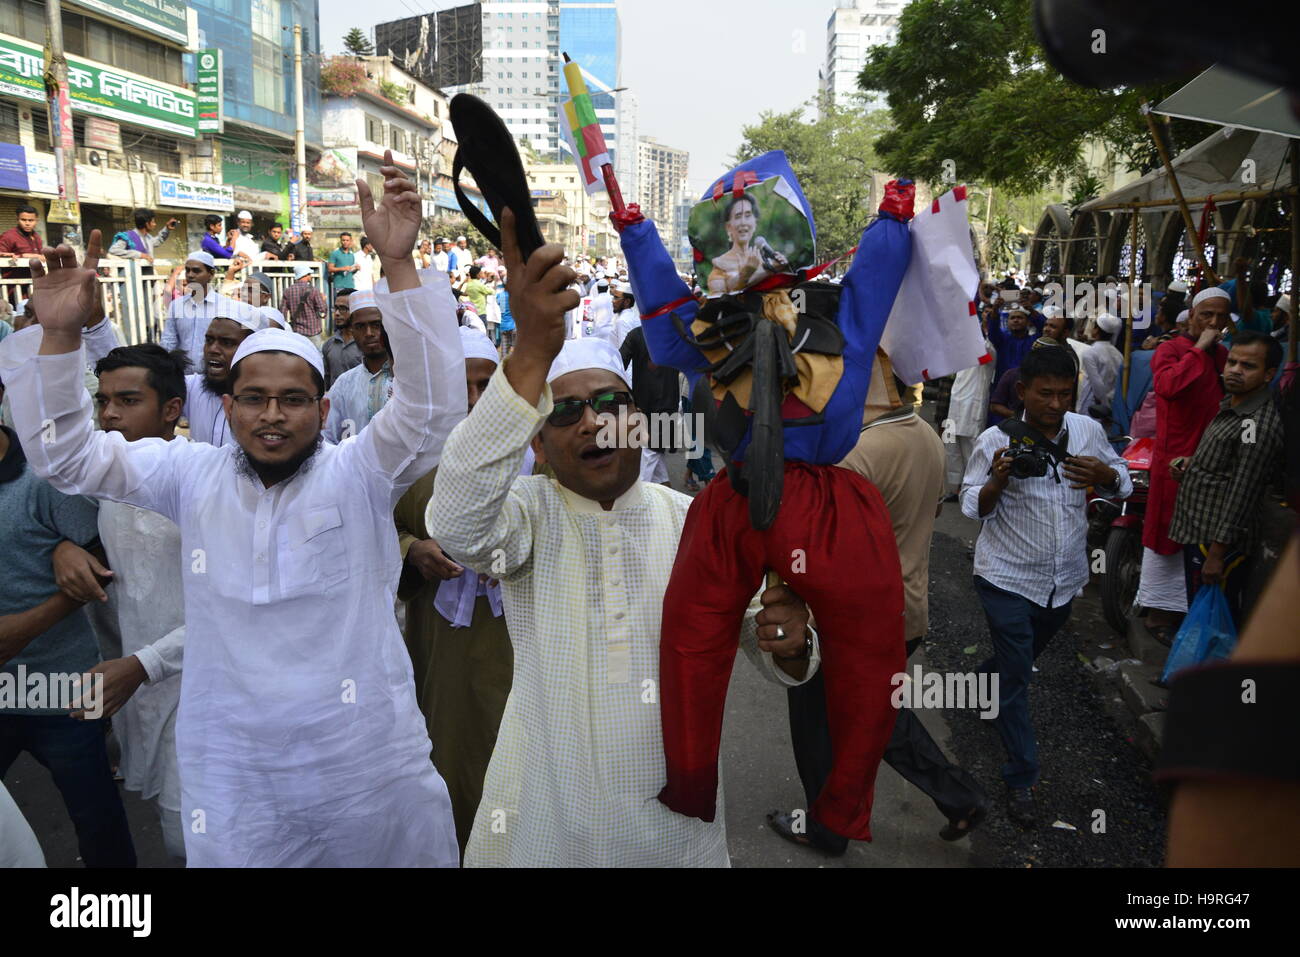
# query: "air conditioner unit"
93, 158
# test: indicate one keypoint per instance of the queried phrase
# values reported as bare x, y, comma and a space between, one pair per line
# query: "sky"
686, 60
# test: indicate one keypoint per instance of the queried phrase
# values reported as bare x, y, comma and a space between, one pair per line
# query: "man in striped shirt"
1031, 555
1217, 512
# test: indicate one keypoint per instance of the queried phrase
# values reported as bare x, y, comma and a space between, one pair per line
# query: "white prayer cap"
22, 306
300, 270
1108, 324
1018, 310
1183, 316
1214, 292
477, 345
460, 239
444, 240
244, 214
280, 340
306, 228
1053, 312
587, 353
1283, 303
272, 317
236, 311
361, 299
1177, 286
199, 256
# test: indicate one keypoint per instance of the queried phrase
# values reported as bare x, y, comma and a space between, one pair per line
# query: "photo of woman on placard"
751, 258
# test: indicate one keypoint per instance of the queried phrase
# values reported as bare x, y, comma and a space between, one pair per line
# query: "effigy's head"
751, 225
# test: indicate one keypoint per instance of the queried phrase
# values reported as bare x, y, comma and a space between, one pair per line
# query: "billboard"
100, 90
165, 18
441, 49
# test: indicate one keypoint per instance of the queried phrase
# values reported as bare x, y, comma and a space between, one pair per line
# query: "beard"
275, 473
217, 387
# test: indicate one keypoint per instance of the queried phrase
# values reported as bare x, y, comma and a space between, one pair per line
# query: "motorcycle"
1115, 529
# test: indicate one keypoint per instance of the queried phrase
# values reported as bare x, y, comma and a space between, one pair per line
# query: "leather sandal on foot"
952, 831
809, 833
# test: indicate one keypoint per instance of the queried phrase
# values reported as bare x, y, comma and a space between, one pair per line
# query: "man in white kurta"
579, 755
204, 410
299, 739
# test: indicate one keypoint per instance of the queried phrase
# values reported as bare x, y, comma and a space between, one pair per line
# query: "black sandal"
952, 832
810, 837
488, 151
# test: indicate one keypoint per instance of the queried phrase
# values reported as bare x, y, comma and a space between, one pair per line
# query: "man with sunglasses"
298, 737
360, 392
584, 559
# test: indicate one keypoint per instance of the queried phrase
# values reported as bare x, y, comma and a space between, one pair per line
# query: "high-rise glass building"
256, 42
591, 35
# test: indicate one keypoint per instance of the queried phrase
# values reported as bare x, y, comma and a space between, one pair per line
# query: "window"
397, 140
268, 63
374, 129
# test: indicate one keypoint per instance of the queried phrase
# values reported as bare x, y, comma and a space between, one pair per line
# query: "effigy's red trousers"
833, 543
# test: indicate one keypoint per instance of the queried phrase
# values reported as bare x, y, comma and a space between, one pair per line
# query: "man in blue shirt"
45, 638
1014, 344
343, 265
211, 240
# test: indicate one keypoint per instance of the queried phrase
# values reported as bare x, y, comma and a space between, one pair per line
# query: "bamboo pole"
1132, 298
1210, 275
1295, 252
1232, 197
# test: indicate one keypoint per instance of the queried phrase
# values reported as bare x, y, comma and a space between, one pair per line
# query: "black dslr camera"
1032, 454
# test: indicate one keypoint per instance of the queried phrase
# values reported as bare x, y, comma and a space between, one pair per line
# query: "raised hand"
66, 295
394, 224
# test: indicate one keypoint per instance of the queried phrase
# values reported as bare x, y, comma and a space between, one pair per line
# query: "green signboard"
166, 18
208, 88
100, 90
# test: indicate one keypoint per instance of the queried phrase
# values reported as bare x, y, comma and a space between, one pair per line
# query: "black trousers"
911, 752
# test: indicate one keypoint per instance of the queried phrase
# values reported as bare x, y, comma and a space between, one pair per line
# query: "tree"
357, 43
967, 81
832, 158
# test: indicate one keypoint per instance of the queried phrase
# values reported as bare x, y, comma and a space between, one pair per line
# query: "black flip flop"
488, 151
951, 832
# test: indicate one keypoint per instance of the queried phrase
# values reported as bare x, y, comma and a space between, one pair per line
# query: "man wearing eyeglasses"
584, 559
360, 392
298, 738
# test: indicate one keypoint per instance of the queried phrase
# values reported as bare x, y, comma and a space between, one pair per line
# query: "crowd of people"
222, 524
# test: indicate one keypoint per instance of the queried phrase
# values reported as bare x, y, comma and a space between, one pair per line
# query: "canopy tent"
1212, 167
1222, 96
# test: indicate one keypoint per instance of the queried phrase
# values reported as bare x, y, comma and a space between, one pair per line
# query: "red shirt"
1188, 392
15, 242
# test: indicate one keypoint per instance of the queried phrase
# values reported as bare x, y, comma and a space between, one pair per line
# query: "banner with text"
166, 18
100, 90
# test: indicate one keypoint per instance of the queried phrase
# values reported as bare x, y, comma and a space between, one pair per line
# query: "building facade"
391, 111
255, 150
140, 139
853, 28
661, 177
135, 122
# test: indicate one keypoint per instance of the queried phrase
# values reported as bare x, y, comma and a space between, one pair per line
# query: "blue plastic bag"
1207, 633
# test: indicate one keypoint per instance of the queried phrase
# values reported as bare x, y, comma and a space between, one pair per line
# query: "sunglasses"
569, 411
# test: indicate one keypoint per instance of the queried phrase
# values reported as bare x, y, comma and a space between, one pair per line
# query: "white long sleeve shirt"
144, 551
187, 323
298, 738
579, 755
1034, 541
206, 414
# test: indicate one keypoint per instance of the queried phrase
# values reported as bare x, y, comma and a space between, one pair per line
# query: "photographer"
1026, 482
